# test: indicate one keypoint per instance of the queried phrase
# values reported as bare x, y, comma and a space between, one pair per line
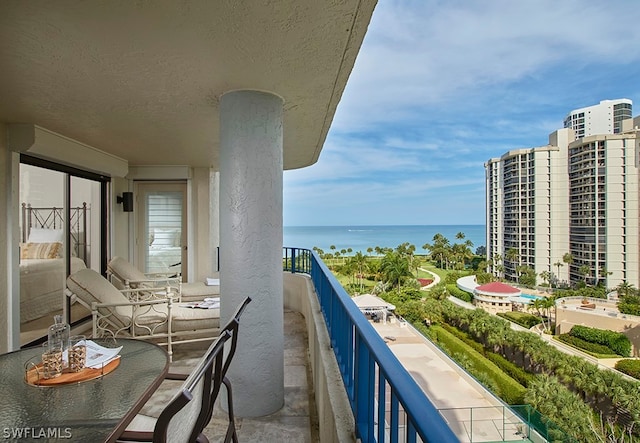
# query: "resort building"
527, 221
603, 118
495, 297
603, 210
573, 196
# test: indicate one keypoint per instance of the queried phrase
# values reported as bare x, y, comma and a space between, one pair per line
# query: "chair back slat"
187, 414
230, 328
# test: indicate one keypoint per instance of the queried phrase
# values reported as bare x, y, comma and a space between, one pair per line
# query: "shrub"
511, 369
629, 367
628, 306
593, 348
521, 318
480, 367
616, 341
459, 293
464, 337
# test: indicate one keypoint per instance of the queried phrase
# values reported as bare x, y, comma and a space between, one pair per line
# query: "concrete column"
9, 240
251, 163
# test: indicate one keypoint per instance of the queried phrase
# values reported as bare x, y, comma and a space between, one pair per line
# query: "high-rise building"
603, 209
527, 219
568, 210
603, 118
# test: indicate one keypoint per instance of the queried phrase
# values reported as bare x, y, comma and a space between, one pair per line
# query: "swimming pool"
530, 296
525, 298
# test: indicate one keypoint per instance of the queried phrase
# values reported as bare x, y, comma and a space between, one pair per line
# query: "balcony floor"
295, 422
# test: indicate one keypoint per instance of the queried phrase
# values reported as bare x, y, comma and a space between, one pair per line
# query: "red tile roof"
497, 287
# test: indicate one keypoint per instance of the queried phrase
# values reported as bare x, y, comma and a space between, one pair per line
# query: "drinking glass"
52, 359
77, 353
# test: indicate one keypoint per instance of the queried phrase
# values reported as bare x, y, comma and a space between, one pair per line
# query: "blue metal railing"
373, 377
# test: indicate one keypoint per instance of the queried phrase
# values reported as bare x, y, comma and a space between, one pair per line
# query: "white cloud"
424, 53
440, 87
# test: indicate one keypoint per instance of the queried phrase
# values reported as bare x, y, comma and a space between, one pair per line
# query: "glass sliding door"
61, 232
161, 229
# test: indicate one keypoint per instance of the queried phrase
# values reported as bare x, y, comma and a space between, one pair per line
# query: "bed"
165, 250
42, 268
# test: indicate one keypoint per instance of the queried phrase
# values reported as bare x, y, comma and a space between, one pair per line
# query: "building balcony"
342, 382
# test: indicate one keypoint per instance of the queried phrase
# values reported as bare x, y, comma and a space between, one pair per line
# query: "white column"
251, 245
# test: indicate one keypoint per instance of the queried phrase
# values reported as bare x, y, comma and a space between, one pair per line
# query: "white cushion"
124, 270
42, 235
90, 287
183, 319
197, 291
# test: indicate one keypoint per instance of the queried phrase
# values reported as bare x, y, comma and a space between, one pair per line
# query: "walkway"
436, 279
473, 413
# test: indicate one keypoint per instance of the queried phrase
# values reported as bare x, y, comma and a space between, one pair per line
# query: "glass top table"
90, 411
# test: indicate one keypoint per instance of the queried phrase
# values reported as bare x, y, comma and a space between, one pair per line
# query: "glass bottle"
60, 331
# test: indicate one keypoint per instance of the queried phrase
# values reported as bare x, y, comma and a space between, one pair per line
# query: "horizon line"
337, 226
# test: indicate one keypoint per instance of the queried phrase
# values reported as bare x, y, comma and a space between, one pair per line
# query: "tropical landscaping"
578, 400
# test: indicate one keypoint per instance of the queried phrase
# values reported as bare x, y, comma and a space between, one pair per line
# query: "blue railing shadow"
373, 377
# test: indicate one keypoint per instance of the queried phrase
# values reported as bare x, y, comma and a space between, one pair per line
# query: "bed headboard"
53, 218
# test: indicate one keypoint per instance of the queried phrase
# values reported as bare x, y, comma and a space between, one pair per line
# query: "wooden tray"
67, 377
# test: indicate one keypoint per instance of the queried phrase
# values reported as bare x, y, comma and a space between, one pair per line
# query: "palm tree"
584, 270
395, 268
497, 265
513, 255
439, 292
545, 276
440, 248
604, 273
360, 262
558, 264
568, 259
624, 288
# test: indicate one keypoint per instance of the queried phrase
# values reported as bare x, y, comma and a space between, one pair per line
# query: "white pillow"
166, 238
40, 235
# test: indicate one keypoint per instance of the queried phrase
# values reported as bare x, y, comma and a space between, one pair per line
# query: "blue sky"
440, 87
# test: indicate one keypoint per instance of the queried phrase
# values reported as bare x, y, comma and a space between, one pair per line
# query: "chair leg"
231, 428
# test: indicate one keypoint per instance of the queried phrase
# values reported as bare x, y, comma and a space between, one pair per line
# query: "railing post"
382, 401
293, 260
364, 381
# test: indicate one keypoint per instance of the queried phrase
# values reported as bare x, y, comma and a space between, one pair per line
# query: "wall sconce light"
126, 200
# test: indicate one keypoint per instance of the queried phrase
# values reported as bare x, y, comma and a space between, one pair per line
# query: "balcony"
353, 388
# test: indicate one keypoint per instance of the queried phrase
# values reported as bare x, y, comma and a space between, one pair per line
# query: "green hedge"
464, 337
616, 341
512, 370
592, 348
480, 367
629, 308
523, 319
459, 293
629, 367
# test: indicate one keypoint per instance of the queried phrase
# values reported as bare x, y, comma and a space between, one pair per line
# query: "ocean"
360, 238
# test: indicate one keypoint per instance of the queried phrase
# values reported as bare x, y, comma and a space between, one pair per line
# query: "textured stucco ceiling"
142, 79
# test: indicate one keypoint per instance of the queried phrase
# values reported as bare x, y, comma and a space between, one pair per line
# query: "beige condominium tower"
568, 210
